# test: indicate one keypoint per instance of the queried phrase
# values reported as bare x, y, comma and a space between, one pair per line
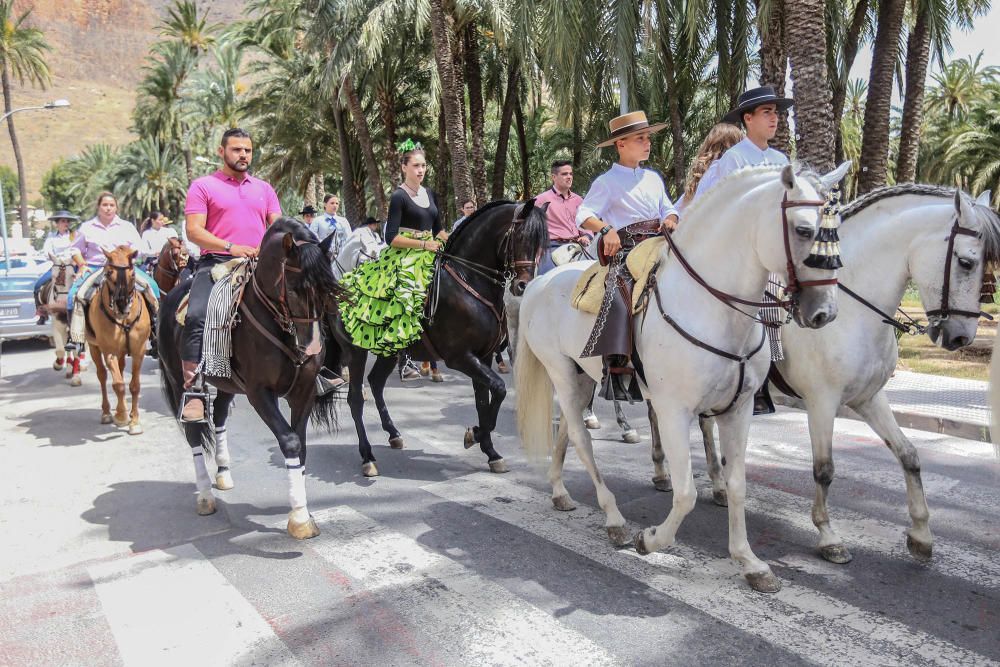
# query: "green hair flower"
408, 145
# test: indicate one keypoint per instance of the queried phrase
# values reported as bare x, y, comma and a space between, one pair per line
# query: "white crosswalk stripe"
473, 621
805, 622
172, 607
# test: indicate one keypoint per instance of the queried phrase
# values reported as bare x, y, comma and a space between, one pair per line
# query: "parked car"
17, 308
26, 265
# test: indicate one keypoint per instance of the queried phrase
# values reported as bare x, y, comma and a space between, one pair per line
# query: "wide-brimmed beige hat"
629, 124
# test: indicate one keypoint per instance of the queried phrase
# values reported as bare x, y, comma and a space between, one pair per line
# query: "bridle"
174, 270
510, 265
985, 292
121, 278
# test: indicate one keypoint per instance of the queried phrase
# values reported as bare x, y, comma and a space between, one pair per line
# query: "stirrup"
192, 393
327, 381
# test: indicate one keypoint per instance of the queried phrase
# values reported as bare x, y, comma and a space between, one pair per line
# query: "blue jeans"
139, 273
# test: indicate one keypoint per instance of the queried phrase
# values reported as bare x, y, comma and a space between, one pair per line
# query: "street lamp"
55, 104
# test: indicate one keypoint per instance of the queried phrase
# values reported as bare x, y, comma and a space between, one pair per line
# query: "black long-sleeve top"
404, 212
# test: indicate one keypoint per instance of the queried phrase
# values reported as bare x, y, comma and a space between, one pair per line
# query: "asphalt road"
104, 561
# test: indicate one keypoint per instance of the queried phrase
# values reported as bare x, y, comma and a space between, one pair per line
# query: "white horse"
936, 237
68, 355
701, 351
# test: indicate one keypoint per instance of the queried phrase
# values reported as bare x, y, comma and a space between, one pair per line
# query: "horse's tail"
534, 401
324, 412
994, 391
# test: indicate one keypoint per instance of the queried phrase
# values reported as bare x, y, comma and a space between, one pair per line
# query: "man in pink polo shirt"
563, 204
227, 214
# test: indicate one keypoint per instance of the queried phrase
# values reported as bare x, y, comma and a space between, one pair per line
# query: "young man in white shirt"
627, 204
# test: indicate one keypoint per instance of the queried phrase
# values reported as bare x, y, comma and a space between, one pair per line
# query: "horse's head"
802, 248
177, 252
529, 237
119, 276
952, 267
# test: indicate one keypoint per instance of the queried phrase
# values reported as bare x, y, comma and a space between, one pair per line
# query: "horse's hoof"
922, 551
836, 553
499, 466
720, 498
57, 365
224, 480
75, 381
663, 484
121, 422
206, 506
397, 442
470, 439
369, 469
135, 429
631, 436
563, 503
106, 419
592, 422
304, 530
763, 582
618, 535
640, 543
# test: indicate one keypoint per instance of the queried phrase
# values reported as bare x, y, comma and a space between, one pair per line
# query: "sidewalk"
932, 403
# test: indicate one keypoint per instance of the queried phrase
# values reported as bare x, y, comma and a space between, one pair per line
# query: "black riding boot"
619, 382
762, 403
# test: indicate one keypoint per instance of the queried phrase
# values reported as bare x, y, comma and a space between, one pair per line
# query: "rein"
120, 320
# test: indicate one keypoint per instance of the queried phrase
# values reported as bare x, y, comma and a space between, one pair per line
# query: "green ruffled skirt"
387, 298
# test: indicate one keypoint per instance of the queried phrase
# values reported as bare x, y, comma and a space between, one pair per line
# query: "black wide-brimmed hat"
63, 214
628, 124
754, 98
308, 209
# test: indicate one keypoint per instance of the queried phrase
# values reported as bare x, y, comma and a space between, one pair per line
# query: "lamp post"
56, 104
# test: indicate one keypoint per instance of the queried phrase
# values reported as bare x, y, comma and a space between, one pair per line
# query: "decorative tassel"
989, 287
825, 253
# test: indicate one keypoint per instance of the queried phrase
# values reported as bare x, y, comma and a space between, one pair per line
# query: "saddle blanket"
219, 271
217, 344
589, 291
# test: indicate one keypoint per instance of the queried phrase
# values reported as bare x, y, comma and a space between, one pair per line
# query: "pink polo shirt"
561, 214
236, 211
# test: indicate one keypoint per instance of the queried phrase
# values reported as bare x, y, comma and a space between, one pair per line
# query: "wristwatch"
605, 229
229, 246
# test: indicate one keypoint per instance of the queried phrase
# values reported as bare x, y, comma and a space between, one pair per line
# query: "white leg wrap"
78, 323
221, 448
296, 484
201, 471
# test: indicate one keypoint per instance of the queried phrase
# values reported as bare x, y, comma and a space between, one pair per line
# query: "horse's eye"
966, 264
804, 232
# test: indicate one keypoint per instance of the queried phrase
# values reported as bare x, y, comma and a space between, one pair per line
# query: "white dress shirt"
622, 196
744, 154
153, 241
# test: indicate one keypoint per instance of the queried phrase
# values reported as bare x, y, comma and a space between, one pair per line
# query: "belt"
561, 241
642, 228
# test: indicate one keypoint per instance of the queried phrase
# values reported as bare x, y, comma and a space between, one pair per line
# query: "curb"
914, 420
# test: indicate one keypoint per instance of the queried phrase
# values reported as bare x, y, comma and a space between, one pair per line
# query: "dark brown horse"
465, 324
173, 265
276, 353
118, 325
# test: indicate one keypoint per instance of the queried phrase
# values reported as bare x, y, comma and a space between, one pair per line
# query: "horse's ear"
131, 256
524, 209
837, 175
788, 177
288, 243
985, 198
106, 253
325, 244
544, 208
963, 206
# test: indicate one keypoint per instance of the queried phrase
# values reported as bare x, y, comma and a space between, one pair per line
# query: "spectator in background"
468, 208
563, 205
329, 222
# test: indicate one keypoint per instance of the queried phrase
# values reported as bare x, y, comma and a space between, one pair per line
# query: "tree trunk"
188, 163
875, 138
441, 29
443, 174
917, 55
22, 186
673, 102
367, 147
522, 148
387, 111
503, 136
354, 203
577, 135
773, 65
477, 112
723, 29
805, 38
850, 51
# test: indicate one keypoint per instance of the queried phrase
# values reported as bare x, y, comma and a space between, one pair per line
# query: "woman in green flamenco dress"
388, 294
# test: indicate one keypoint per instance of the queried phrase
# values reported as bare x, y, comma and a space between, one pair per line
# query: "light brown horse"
68, 355
172, 265
118, 325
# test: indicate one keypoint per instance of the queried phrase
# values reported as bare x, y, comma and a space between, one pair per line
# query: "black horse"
464, 319
276, 352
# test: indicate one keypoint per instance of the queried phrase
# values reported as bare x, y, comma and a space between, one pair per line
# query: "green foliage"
56, 188
8, 181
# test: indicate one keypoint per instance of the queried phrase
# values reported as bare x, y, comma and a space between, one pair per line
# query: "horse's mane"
984, 216
317, 271
741, 176
535, 227
478, 213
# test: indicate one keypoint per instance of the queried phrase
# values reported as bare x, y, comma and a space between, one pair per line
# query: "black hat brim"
735, 116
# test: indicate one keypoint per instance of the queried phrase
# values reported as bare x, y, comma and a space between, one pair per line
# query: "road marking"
473, 621
172, 607
805, 622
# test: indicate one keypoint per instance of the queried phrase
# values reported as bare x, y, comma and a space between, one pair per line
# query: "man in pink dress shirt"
563, 204
226, 214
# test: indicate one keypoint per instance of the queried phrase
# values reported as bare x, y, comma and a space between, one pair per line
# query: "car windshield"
16, 284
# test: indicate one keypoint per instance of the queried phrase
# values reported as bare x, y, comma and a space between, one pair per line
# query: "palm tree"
150, 176
875, 138
90, 173
184, 24
805, 35
22, 55
774, 60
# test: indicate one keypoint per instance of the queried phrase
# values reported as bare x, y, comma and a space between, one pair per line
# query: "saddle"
234, 268
588, 294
